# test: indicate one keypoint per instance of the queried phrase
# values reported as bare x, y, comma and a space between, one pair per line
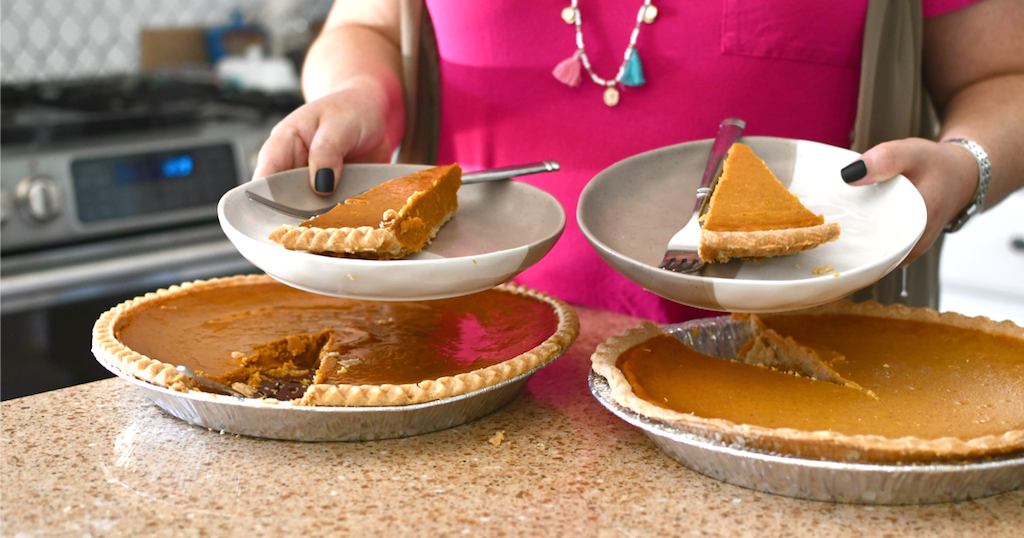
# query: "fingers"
333, 145
327, 152
283, 150
887, 160
323, 134
379, 154
314, 135
944, 176
324, 180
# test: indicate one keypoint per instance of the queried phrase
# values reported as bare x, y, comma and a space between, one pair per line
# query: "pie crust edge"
382, 243
108, 349
823, 445
722, 246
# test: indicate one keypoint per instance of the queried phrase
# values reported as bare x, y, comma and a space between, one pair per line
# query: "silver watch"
977, 203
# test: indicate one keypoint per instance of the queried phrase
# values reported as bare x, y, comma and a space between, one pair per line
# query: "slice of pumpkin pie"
394, 219
753, 215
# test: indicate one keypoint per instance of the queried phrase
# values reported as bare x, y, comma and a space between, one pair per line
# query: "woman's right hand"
347, 125
352, 82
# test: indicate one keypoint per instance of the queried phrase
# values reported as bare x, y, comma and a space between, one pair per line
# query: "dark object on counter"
233, 39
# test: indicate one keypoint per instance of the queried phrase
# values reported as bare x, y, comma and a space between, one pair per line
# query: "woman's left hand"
945, 174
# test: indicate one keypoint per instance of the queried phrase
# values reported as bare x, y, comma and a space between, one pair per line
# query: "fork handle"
509, 172
728, 132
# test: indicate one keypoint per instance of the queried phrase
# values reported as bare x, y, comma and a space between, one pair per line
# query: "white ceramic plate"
500, 229
630, 210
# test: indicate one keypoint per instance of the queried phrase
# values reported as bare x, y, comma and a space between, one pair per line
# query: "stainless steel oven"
106, 199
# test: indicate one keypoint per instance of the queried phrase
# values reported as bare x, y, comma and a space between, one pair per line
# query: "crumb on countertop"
498, 438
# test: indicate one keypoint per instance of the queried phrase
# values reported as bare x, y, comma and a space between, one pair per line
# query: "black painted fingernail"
324, 180
853, 172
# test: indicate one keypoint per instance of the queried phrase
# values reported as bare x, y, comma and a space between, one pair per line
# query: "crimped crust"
824, 445
722, 246
382, 243
110, 350
338, 240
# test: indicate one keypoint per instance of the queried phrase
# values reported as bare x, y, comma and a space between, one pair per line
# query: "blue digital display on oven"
119, 186
130, 170
177, 166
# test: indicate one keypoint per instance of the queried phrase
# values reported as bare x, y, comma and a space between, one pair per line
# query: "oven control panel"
155, 182
110, 187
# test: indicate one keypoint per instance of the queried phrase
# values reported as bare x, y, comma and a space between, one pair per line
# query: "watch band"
977, 203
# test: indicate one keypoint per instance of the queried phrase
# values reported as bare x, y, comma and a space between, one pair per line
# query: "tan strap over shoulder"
421, 81
893, 104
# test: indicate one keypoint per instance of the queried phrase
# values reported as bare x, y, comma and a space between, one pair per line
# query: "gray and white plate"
630, 210
500, 229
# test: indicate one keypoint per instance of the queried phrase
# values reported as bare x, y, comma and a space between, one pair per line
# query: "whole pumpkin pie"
842, 382
752, 215
394, 219
255, 334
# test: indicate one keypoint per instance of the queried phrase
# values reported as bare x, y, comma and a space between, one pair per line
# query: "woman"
790, 69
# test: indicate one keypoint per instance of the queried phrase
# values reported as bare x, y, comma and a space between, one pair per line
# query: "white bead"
569, 15
650, 14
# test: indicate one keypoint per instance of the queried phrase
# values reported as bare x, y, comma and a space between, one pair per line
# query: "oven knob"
5, 207
39, 198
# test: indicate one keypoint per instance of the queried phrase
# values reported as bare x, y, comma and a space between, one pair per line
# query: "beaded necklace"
630, 72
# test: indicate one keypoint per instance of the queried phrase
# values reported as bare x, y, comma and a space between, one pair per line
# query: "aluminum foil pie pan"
804, 478
260, 418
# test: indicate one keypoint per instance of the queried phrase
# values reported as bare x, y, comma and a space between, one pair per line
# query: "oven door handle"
118, 275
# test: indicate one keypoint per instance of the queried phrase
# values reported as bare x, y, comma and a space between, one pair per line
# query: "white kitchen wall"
66, 39
982, 268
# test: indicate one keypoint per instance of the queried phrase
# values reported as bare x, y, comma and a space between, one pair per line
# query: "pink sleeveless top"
789, 68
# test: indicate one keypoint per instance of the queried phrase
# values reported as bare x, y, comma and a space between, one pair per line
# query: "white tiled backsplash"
66, 39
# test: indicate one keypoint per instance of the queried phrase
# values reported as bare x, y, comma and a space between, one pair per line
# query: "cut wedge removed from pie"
842, 382
394, 219
259, 336
752, 215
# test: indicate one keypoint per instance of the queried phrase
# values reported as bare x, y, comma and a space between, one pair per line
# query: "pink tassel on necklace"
568, 70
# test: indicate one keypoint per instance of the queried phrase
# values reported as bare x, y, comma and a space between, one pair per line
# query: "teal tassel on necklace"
634, 74
630, 73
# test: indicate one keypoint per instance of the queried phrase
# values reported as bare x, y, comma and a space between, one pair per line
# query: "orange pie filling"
391, 220
751, 214
264, 332
864, 388
748, 197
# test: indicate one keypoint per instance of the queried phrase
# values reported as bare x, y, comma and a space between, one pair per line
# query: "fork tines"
681, 264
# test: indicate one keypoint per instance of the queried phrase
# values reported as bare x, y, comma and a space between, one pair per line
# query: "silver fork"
491, 174
209, 383
681, 252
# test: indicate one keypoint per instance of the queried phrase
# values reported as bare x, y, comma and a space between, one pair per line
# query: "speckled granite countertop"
100, 460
